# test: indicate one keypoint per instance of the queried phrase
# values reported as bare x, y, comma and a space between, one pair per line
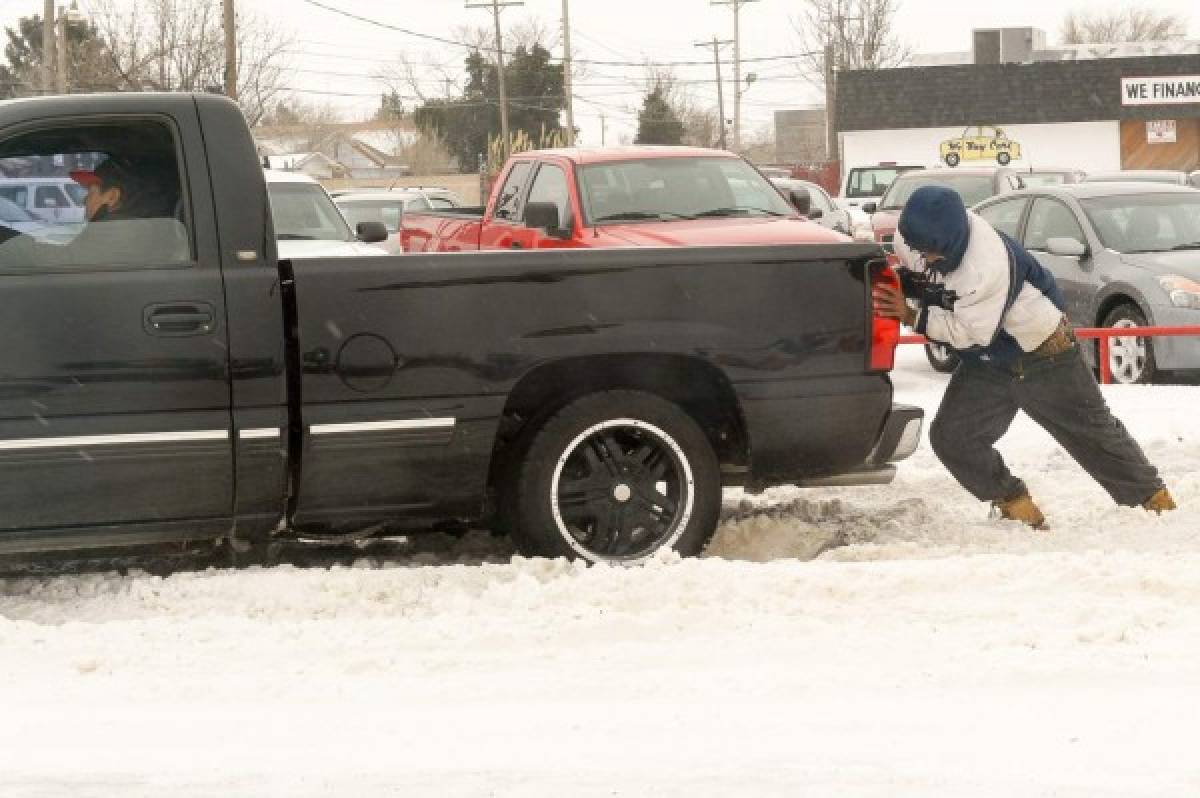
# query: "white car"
309, 225
389, 205
53, 200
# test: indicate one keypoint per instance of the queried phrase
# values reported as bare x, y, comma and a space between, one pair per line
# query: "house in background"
361, 151
314, 164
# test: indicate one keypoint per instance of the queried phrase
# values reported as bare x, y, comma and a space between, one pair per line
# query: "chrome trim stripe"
259, 433
115, 440
384, 426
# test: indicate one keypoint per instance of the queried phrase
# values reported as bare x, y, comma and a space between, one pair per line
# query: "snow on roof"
388, 142
276, 176
295, 160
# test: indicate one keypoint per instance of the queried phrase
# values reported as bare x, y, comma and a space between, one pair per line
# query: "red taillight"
885, 333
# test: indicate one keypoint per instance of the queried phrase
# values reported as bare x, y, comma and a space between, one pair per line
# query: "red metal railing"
1104, 334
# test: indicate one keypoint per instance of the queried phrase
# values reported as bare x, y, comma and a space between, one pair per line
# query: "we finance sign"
1176, 90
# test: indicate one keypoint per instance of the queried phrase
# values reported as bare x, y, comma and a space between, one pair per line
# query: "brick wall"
1041, 92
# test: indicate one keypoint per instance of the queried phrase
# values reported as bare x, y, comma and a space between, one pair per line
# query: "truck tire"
1003, 159
952, 159
614, 477
1131, 360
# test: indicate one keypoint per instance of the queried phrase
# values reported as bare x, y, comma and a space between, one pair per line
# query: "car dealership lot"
924, 651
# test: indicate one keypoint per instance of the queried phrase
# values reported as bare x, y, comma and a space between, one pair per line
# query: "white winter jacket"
982, 284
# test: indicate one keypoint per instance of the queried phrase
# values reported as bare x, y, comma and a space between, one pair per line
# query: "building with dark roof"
1012, 99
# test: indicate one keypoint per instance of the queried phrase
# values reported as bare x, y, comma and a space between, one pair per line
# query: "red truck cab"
619, 197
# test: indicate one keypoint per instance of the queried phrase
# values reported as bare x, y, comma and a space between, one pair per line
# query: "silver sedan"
1125, 255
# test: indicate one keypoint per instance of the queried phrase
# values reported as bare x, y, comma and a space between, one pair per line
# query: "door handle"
179, 318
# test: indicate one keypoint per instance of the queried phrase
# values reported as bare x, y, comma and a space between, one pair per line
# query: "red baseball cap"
85, 178
108, 172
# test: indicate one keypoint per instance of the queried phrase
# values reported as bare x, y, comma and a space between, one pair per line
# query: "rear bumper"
899, 439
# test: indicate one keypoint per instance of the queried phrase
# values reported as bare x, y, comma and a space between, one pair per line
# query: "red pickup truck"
621, 197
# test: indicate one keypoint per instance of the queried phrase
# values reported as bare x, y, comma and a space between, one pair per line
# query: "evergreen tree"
535, 100
657, 121
88, 66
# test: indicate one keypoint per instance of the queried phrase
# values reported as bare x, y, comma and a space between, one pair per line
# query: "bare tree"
860, 32
178, 45
307, 126
1090, 26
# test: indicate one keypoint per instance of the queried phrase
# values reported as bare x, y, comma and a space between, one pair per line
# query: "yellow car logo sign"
982, 146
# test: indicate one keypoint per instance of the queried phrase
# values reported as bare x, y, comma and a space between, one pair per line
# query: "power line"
587, 61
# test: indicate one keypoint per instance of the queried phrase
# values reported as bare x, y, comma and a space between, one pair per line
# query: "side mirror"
371, 232
1066, 247
816, 213
544, 216
801, 201
869, 207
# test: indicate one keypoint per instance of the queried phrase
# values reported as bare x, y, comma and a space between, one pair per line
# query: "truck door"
502, 229
550, 186
114, 384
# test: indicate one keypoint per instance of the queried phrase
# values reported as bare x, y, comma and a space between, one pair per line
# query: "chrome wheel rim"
1127, 354
621, 491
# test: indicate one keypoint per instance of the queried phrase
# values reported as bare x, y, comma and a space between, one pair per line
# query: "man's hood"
935, 220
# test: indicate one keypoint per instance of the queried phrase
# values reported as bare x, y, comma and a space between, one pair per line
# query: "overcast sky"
336, 58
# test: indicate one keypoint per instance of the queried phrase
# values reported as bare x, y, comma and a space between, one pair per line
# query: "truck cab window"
105, 196
50, 197
508, 201
550, 185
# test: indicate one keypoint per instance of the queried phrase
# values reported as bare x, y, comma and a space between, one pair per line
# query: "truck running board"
881, 475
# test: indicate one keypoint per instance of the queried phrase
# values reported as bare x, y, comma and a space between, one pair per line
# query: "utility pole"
231, 76
716, 45
495, 6
833, 64
60, 51
566, 23
831, 144
603, 129
736, 5
48, 47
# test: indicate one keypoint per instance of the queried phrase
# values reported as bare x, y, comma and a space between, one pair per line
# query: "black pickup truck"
165, 378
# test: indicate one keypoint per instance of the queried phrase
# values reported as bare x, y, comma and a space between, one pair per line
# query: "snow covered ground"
853, 642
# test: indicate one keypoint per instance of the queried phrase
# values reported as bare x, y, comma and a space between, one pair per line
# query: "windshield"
1146, 222
972, 188
872, 181
11, 212
386, 211
304, 212
656, 189
76, 192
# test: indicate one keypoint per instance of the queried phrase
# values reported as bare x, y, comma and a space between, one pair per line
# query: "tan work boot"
1160, 502
1021, 508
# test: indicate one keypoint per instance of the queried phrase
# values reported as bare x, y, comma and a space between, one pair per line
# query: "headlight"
1184, 292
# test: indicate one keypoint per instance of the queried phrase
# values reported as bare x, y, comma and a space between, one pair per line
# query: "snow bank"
850, 642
